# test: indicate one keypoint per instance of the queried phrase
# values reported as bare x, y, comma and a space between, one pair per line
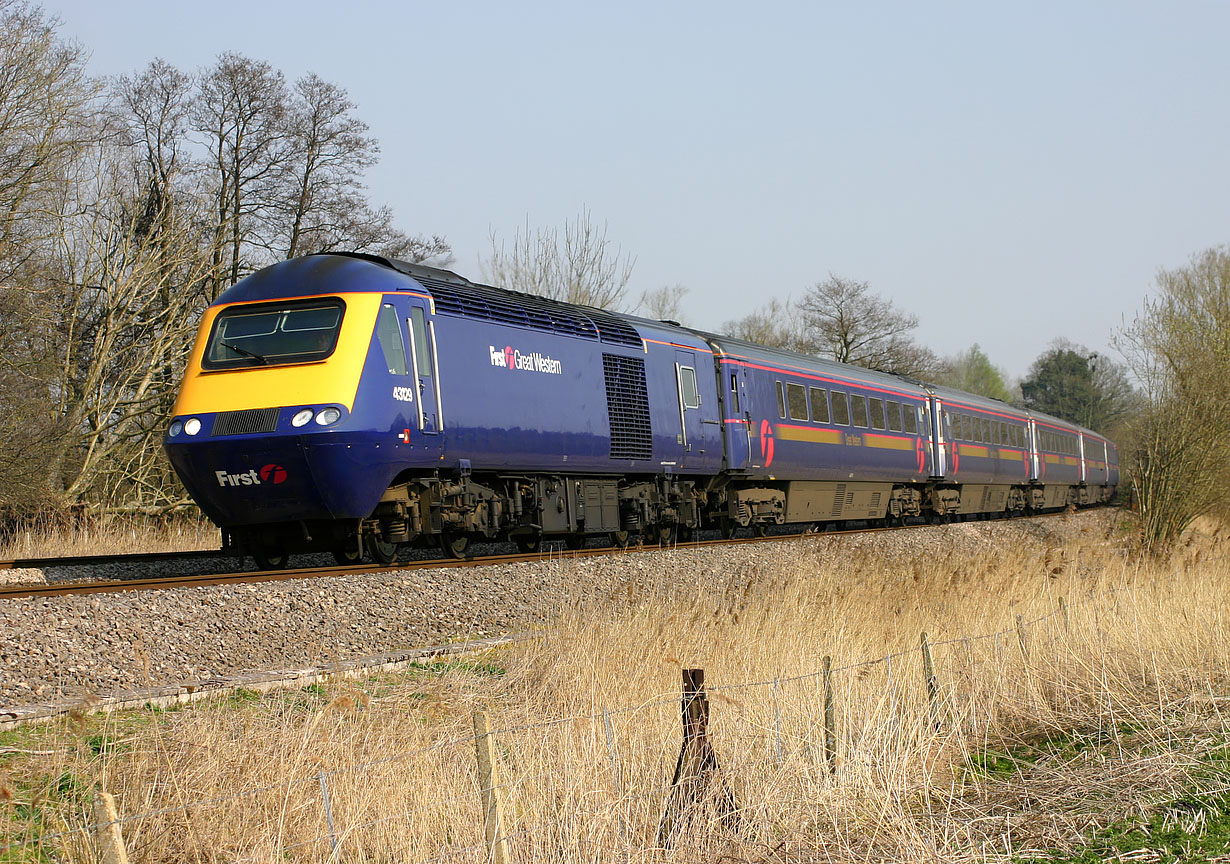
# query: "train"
354, 404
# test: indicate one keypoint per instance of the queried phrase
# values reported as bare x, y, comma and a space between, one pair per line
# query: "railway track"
61, 589
132, 558
70, 588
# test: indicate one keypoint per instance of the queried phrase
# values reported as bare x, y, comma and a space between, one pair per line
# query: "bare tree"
129, 302
848, 323
663, 304
776, 325
1179, 349
45, 101
579, 267
240, 111
328, 150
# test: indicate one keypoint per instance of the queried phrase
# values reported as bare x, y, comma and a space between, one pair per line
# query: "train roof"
455, 294
741, 348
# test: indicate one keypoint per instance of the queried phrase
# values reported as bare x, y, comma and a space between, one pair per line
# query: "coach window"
841, 408
797, 396
858, 409
877, 413
967, 428
734, 393
781, 401
819, 405
911, 419
388, 332
894, 415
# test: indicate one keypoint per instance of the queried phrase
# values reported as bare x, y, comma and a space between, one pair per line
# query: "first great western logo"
527, 361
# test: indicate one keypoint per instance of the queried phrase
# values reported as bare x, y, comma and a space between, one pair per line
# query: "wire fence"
795, 722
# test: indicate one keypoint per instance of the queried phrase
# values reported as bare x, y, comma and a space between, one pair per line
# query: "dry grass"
1099, 714
107, 535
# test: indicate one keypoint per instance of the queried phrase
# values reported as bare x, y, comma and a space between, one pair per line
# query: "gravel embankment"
68, 647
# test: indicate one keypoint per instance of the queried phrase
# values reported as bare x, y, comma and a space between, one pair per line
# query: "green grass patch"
1187, 830
482, 668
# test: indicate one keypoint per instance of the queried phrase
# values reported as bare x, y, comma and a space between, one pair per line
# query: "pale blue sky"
1008, 172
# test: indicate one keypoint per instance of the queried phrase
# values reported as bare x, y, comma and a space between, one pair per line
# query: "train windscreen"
274, 334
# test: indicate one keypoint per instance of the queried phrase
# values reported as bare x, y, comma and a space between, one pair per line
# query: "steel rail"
133, 557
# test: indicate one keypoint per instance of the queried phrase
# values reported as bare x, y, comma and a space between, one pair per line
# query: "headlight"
301, 418
176, 428
328, 416
192, 425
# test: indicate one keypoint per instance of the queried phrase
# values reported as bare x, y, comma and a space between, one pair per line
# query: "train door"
1081, 441
737, 417
691, 431
424, 358
1033, 450
937, 441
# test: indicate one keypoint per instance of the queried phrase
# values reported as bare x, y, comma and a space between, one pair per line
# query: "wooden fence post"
1020, 635
490, 790
110, 839
929, 679
830, 722
696, 766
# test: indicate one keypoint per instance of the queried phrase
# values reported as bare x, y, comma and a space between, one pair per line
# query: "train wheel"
621, 539
454, 545
728, 527
382, 552
528, 542
760, 529
347, 554
685, 534
267, 560
666, 535
575, 541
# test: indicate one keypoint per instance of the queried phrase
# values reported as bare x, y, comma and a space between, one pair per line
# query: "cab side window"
392, 346
687, 387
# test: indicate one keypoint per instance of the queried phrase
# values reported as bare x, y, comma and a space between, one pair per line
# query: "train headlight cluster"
301, 418
176, 428
192, 425
328, 416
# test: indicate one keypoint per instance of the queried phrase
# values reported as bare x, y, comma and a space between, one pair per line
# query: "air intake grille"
522, 310
627, 406
526, 310
615, 330
246, 422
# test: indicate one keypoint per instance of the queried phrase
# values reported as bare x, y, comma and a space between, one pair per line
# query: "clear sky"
1009, 172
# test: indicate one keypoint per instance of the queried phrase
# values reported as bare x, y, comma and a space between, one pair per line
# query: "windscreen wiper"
245, 352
